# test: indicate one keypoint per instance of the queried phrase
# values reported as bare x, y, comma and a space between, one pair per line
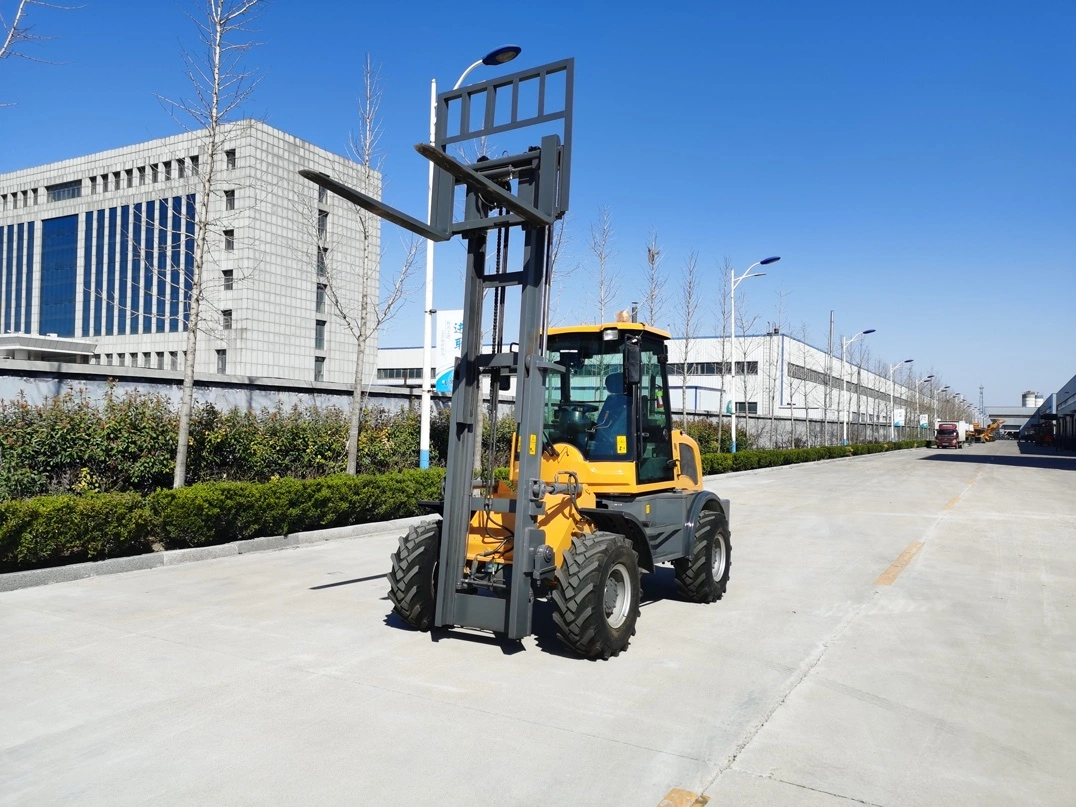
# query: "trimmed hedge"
54, 530
770, 458
69, 528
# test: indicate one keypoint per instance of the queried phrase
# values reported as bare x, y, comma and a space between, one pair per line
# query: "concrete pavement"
832, 673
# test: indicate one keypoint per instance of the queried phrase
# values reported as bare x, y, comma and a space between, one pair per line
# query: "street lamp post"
892, 385
734, 282
936, 397
918, 383
502, 55
845, 342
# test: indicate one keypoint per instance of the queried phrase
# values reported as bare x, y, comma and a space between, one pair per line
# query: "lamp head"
869, 330
768, 261
502, 55
907, 361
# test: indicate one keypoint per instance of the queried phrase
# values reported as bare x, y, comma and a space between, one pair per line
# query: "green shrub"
52, 530
218, 512
769, 458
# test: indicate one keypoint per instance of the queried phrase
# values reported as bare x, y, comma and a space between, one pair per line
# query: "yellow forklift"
601, 485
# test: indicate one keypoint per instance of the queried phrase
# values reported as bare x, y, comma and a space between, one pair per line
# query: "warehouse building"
97, 256
777, 378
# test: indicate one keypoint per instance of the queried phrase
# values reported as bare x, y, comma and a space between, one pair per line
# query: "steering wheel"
585, 408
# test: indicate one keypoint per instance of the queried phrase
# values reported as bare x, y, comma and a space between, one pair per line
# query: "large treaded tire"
704, 576
413, 579
597, 596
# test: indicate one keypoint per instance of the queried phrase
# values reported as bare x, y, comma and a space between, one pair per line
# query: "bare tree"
745, 322
689, 312
600, 245
220, 86
18, 34
654, 293
722, 313
773, 365
561, 267
365, 149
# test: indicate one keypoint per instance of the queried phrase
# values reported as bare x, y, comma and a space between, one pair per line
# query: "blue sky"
913, 163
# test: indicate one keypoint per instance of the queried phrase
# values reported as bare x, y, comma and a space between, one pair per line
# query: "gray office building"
97, 253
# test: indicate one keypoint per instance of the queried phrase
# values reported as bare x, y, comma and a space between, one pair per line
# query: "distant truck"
951, 435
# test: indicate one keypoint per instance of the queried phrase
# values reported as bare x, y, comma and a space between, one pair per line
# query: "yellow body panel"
681, 444
621, 326
489, 538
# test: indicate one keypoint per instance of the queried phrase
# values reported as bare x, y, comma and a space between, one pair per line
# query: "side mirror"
633, 362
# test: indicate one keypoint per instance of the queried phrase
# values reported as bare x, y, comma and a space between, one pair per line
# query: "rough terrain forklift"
601, 485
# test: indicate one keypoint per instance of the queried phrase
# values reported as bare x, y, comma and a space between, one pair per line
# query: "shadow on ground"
1030, 456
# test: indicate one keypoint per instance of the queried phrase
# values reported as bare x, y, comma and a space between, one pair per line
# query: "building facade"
100, 250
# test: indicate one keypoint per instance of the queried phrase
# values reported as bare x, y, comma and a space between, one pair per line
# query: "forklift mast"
529, 191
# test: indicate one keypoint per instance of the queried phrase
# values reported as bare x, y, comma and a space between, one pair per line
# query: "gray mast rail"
541, 179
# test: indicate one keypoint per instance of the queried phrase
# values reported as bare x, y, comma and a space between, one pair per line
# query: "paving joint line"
803, 671
808, 787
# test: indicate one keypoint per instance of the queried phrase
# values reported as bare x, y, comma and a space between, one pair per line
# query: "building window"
405, 373
323, 261
173, 360
108, 359
748, 408
141, 175
147, 359
116, 181
229, 240
160, 360
134, 359
64, 190
229, 279
319, 335
323, 195
323, 224
320, 303
153, 174
121, 359
181, 168
229, 158
130, 177
104, 183
93, 187
167, 170
222, 362
226, 319
319, 368
229, 200
194, 165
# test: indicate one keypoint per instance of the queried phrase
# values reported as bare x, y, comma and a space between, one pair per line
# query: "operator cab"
611, 402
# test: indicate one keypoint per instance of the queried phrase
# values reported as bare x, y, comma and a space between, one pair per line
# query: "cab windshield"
589, 406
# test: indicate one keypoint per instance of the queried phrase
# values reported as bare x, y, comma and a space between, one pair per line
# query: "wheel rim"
617, 602
717, 565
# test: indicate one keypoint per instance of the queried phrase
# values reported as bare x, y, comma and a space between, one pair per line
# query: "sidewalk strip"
893, 572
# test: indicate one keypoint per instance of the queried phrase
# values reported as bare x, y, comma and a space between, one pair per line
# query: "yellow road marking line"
952, 503
893, 572
683, 798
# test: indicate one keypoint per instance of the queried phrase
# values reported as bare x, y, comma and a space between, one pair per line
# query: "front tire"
413, 579
597, 596
704, 576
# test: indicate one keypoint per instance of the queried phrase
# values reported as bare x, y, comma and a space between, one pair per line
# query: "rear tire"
704, 576
413, 579
597, 596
